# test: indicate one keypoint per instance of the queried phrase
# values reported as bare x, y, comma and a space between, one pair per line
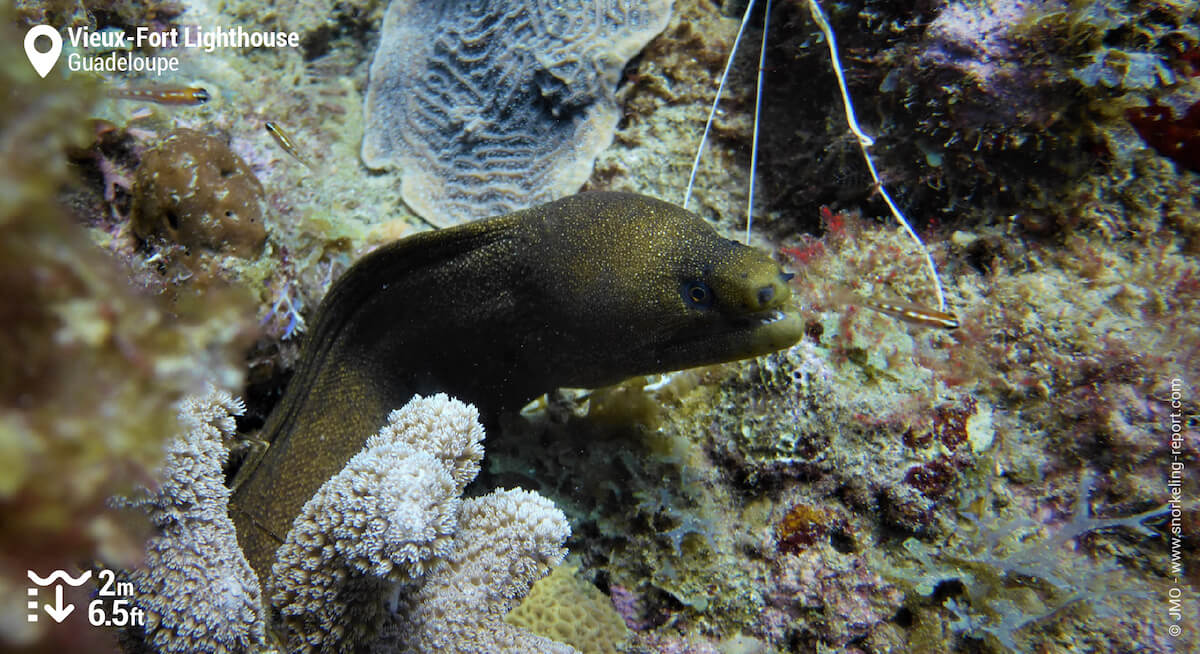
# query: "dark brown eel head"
633, 285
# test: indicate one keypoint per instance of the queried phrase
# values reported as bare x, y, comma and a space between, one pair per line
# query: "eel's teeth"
774, 316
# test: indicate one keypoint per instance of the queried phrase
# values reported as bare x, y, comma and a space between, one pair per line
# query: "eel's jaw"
733, 339
776, 330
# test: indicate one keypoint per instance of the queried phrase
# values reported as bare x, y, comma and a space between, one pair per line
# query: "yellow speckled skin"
581, 292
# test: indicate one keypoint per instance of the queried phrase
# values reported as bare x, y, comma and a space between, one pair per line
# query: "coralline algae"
491, 107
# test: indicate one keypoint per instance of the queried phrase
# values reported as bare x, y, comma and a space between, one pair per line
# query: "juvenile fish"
913, 313
169, 95
281, 137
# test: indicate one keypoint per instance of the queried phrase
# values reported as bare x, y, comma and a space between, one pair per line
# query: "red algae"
932, 479
1176, 139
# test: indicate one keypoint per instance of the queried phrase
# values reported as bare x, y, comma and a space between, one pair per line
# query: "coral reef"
198, 591
666, 99
835, 598
816, 499
1009, 580
192, 189
505, 541
325, 26
389, 514
386, 555
77, 13
90, 366
649, 498
961, 98
505, 106
568, 609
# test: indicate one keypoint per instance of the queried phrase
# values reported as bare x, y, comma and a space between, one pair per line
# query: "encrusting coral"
498, 106
386, 555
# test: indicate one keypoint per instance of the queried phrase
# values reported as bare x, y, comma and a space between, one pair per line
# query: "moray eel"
582, 292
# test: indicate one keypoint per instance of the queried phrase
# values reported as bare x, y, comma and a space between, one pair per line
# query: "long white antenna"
762, 63
865, 142
687, 196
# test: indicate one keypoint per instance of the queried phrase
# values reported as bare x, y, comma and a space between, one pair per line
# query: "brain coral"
493, 106
568, 609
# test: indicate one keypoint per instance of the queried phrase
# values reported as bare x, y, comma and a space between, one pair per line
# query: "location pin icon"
43, 62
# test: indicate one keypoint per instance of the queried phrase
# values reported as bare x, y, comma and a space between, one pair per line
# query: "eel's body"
581, 292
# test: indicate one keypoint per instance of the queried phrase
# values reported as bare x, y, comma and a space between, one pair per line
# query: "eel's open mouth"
740, 337
763, 318
750, 322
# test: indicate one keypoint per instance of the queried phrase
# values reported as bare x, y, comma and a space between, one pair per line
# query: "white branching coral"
379, 521
442, 427
505, 541
386, 551
198, 590
392, 520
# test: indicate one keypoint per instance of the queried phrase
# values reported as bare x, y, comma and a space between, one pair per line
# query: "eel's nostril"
765, 295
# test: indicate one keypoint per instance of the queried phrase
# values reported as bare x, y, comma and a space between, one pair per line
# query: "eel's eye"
697, 294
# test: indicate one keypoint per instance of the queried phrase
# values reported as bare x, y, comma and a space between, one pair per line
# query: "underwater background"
1025, 482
